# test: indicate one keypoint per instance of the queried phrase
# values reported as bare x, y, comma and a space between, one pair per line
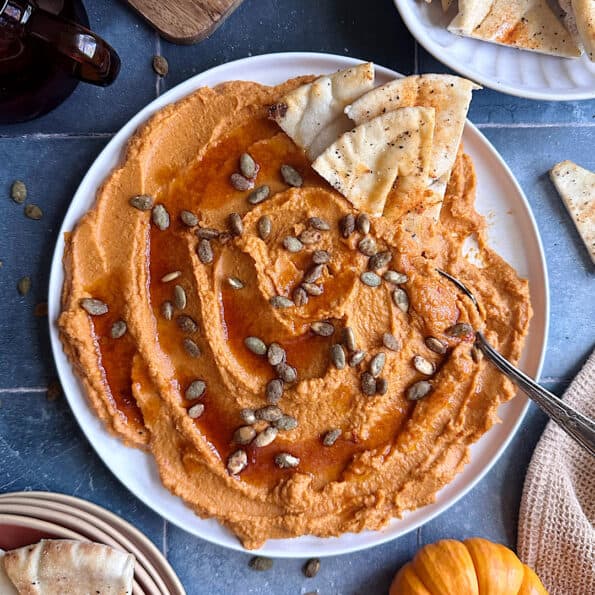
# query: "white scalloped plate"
513, 233
509, 70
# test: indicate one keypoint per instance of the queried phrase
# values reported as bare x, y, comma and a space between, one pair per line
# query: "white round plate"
513, 234
509, 70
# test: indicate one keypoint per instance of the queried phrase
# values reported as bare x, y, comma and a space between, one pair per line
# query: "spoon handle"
575, 424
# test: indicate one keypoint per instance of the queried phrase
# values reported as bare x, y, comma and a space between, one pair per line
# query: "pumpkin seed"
338, 356
188, 218
93, 306
248, 416
285, 460
377, 364
179, 297
196, 410
259, 194
264, 227
280, 301
240, 183
286, 423
367, 246
331, 437
370, 279
266, 437
244, 435
391, 342
291, 176
356, 358
363, 223
142, 202
171, 276
160, 217
418, 390
207, 233
248, 166
255, 345
118, 329
322, 328
191, 348
33, 212
160, 65
235, 224
349, 338
423, 366
274, 391
292, 244
260, 563
300, 297
205, 252
395, 277
318, 223
18, 192
320, 257
436, 345
368, 384
286, 372
312, 568
461, 329
236, 463
167, 310
347, 225
196, 389
476, 354
186, 324
313, 289
381, 386
314, 273
269, 413
24, 285
235, 283
379, 260
401, 299
310, 236
275, 354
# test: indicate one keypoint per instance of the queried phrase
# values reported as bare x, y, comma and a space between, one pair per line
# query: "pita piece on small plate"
576, 187
449, 95
364, 163
529, 25
584, 13
59, 566
6, 586
312, 115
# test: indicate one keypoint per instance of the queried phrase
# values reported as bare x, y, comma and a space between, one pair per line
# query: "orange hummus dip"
156, 312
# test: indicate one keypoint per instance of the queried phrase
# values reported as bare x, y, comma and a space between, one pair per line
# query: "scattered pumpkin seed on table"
24, 285
160, 65
260, 563
312, 567
33, 212
18, 192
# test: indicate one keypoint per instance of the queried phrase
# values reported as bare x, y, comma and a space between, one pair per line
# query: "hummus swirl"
393, 454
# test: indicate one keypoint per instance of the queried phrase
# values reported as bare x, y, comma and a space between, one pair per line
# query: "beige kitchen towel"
556, 536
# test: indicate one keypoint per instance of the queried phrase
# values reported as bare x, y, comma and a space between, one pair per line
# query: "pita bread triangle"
312, 115
364, 163
584, 13
576, 186
449, 95
526, 24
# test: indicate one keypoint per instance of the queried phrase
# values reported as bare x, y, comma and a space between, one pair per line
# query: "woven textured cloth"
556, 535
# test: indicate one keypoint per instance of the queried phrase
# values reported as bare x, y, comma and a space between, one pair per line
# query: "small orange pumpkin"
472, 567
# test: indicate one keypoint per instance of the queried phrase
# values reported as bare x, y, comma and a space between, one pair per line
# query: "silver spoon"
575, 424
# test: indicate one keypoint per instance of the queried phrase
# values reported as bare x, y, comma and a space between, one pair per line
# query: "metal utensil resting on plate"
575, 424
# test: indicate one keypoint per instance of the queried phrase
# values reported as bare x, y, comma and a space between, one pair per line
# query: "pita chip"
576, 187
59, 566
449, 96
312, 115
364, 163
525, 24
6, 586
584, 13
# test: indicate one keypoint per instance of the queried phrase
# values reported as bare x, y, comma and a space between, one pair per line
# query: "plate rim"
418, 30
118, 143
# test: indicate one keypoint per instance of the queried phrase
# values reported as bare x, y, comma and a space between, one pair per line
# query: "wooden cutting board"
185, 21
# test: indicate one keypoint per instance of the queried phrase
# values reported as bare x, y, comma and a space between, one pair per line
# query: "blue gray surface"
41, 447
